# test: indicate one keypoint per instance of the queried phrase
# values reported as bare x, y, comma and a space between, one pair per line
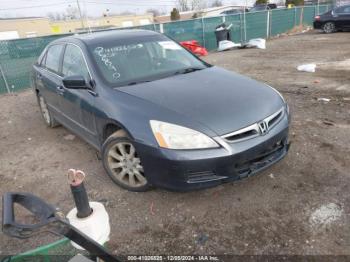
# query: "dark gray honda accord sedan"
158, 114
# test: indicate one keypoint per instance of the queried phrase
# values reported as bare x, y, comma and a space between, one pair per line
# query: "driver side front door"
78, 104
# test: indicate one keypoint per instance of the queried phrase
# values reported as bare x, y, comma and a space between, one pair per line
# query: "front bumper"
184, 170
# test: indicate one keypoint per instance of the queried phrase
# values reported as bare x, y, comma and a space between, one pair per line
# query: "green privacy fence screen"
17, 56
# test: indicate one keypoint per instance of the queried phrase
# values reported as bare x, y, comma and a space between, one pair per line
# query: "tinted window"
53, 58
342, 10
259, 8
347, 10
74, 63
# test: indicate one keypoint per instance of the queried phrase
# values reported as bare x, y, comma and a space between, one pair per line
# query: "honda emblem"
263, 127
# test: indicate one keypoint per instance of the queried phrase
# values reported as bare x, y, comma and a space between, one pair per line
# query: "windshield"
135, 60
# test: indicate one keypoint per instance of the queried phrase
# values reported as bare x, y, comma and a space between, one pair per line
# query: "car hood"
219, 99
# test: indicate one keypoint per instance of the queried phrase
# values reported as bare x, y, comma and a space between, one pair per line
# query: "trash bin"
222, 32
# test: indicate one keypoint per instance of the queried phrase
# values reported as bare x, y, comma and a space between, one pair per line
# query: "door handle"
60, 90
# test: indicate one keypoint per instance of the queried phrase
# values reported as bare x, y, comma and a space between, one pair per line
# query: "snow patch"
326, 214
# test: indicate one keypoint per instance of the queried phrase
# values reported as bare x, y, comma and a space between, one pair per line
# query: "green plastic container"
60, 250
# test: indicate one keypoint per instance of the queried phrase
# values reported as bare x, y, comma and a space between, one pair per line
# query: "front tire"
329, 28
122, 163
45, 112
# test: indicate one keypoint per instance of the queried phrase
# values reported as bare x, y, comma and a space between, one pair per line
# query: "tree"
55, 16
153, 11
295, 2
261, 2
127, 13
175, 14
198, 4
190, 5
72, 12
217, 3
183, 5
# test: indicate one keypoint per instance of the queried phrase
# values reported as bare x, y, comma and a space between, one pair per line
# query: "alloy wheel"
329, 28
125, 165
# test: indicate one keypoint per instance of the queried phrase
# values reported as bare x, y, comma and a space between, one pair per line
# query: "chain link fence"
17, 56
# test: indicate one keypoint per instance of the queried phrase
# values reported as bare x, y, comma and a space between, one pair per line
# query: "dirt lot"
299, 206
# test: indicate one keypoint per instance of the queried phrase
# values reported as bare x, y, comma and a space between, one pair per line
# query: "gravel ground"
299, 206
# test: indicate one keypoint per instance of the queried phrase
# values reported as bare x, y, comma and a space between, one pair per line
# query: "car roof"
101, 36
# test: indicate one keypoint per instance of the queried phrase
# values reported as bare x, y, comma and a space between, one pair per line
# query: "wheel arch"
112, 126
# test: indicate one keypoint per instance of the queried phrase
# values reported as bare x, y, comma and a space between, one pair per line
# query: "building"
74, 26
207, 12
14, 28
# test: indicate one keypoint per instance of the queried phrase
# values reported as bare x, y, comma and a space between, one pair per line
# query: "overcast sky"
20, 8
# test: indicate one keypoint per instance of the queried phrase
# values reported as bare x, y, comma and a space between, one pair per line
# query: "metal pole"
268, 24
203, 33
240, 27
245, 25
3, 76
81, 17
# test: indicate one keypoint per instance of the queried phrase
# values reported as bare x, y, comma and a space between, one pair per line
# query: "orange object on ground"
194, 47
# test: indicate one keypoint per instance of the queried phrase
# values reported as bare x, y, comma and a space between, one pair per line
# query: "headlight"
178, 137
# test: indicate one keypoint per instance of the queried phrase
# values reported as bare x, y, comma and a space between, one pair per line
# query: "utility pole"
81, 16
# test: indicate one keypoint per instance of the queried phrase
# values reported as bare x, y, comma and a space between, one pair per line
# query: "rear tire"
122, 163
45, 112
329, 28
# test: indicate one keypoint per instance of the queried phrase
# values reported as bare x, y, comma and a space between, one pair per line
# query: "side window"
53, 58
41, 58
74, 63
347, 10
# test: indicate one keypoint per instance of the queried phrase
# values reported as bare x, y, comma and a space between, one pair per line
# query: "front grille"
274, 119
243, 134
254, 130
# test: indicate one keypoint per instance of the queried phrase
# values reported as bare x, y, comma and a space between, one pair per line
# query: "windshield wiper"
138, 82
187, 70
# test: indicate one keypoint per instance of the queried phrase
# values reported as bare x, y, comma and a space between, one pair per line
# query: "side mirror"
75, 82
